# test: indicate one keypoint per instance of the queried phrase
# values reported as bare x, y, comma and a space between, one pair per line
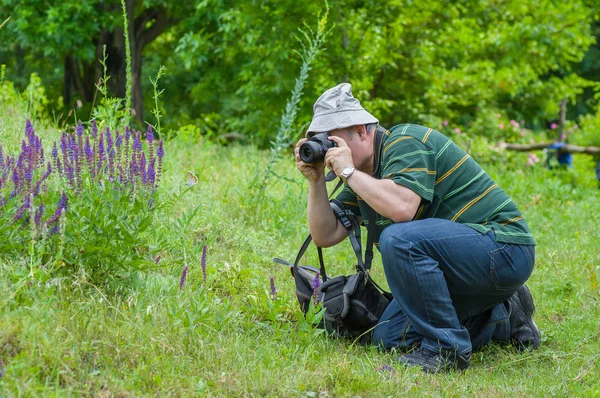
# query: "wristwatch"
346, 173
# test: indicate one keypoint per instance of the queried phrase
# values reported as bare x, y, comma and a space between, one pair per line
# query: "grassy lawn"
225, 336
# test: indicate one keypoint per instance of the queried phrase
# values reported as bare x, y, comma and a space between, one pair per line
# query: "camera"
315, 148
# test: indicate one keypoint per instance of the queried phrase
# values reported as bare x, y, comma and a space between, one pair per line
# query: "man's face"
357, 144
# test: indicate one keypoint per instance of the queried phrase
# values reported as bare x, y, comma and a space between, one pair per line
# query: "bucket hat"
336, 108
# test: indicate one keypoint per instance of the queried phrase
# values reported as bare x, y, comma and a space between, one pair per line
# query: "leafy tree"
74, 33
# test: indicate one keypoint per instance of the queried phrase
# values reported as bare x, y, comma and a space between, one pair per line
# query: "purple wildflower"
94, 129
273, 288
1, 158
16, 180
111, 164
316, 284
54, 154
38, 214
183, 277
89, 153
142, 168
160, 153
79, 129
22, 209
126, 143
149, 134
109, 140
63, 206
203, 262
150, 139
101, 153
137, 144
151, 174
118, 144
28, 128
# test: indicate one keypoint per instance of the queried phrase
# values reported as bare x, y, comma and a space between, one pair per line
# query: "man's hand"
340, 157
312, 171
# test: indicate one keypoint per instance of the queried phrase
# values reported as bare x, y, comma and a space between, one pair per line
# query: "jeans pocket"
504, 273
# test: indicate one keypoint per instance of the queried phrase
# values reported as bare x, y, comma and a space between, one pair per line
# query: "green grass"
226, 337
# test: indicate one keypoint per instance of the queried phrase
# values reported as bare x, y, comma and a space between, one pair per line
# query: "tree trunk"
82, 77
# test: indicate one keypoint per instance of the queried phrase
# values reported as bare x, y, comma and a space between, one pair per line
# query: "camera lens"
311, 152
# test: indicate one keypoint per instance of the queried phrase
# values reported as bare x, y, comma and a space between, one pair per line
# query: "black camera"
315, 148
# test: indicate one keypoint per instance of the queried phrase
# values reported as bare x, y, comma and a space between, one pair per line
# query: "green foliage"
106, 237
310, 50
408, 61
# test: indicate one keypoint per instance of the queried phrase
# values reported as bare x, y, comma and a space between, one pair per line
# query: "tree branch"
592, 150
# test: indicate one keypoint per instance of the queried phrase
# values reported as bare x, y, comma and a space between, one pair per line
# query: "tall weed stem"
312, 44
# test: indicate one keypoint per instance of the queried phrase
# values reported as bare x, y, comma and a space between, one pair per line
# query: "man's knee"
395, 243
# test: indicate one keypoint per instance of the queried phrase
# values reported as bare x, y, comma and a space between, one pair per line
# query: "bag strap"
309, 237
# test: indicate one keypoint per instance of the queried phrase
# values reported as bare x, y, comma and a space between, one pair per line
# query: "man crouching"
455, 248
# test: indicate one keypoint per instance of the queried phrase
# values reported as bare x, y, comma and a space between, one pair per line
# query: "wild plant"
105, 184
312, 44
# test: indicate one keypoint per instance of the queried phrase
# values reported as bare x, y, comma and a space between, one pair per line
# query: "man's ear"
362, 132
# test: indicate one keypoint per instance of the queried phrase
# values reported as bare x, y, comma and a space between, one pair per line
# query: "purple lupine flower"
100, 154
79, 129
137, 145
89, 153
16, 181
142, 168
70, 173
36, 189
126, 143
38, 215
63, 206
149, 134
111, 164
28, 128
151, 174
150, 139
1, 158
273, 288
133, 170
94, 129
23, 207
316, 284
160, 153
118, 144
54, 153
109, 140
41, 157
203, 263
183, 277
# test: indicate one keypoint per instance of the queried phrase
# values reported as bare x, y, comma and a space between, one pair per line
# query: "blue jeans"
450, 285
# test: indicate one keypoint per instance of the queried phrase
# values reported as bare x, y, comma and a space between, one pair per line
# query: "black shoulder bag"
353, 303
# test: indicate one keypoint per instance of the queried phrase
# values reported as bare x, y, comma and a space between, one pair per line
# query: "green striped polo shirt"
451, 184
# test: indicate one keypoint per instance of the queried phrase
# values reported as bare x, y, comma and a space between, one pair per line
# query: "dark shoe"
435, 362
523, 330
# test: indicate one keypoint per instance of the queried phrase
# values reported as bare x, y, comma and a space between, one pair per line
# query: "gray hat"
336, 108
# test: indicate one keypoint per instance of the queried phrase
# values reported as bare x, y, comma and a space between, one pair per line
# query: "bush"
101, 190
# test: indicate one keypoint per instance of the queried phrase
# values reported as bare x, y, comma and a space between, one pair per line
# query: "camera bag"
353, 303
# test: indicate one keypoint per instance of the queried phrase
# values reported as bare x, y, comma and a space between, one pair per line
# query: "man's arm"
387, 198
324, 227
